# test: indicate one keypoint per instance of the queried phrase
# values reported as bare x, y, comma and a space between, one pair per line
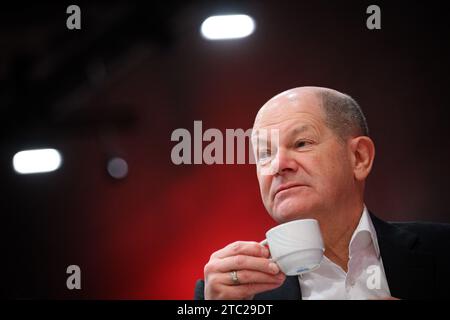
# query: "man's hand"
254, 270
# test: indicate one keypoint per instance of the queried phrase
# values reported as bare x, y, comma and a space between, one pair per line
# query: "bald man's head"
315, 160
341, 113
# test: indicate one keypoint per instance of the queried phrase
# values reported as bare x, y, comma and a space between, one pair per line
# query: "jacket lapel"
410, 273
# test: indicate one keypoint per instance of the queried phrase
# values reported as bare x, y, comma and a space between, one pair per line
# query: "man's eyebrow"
301, 129
293, 132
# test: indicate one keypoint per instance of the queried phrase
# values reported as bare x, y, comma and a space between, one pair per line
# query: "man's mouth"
287, 186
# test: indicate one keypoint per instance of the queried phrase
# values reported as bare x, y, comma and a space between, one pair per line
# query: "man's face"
311, 170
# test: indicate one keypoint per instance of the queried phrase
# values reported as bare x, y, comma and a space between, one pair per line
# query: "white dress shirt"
365, 278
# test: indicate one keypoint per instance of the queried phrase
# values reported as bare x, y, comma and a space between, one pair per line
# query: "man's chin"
284, 213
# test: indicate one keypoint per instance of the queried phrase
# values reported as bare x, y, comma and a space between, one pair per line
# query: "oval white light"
36, 161
227, 27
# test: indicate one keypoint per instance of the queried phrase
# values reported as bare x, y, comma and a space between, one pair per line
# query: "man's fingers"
247, 276
248, 248
255, 272
241, 262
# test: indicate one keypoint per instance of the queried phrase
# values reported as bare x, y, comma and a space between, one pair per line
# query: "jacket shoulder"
436, 235
199, 293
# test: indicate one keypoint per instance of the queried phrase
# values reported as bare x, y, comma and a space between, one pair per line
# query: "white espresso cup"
296, 246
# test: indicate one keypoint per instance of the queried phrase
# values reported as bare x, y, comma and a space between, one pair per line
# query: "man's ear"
362, 151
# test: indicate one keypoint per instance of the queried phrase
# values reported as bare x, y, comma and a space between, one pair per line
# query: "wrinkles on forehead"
289, 105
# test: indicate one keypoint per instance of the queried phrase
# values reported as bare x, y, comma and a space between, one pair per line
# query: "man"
317, 169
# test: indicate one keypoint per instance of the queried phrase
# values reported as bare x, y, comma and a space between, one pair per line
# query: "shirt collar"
364, 235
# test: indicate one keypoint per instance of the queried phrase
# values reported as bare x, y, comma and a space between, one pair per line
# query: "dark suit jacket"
416, 259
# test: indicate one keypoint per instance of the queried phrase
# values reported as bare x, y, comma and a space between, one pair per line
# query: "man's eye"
302, 143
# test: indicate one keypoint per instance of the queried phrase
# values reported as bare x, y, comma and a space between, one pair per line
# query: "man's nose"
285, 162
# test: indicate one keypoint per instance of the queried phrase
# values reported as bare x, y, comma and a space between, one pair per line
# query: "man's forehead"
288, 105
